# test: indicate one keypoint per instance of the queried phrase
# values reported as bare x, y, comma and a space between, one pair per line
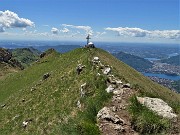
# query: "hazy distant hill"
136, 62
174, 60
25, 55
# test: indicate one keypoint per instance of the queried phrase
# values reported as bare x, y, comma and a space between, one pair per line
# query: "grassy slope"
52, 106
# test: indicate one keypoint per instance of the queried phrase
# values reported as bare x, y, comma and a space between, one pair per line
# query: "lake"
165, 76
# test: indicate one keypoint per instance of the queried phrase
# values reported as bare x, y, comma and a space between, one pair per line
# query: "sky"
151, 21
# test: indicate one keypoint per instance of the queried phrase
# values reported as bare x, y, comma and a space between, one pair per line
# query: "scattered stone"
96, 59
3, 105
111, 80
114, 108
78, 104
118, 92
23, 100
107, 71
118, 82
45, 76
42, 55
15, 117
116, 98
127, 85
110, 88
25, 123
157, 105
120, 128
105, 114
82, 89
79, 68
32, 89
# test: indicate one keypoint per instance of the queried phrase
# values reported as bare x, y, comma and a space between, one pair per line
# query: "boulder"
158, 106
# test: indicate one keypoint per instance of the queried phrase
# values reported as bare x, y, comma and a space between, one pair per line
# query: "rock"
3, 105
79, 68
107, 71
17, 116
25, 123
78, 104
82, 89
120, 128
45, 76
111, 80
118, 92
105, 114
157, 105
110, 88
32, 89
118, 82
96, 59
127, 85
116, 98
42, 55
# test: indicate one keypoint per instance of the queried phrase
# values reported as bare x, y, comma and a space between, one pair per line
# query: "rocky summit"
86, 91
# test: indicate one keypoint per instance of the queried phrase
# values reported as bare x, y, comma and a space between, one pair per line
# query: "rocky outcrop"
158, 106
5, 55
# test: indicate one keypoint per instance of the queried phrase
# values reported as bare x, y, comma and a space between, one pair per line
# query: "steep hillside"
46, 98
175, 60
25, 55
136, 62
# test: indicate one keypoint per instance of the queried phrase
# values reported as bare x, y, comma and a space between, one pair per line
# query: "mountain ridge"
50, 104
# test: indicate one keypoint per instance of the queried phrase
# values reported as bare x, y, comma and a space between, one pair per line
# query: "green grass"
52, 105
145, 121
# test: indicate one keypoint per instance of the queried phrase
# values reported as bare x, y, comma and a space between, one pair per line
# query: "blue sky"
106, 20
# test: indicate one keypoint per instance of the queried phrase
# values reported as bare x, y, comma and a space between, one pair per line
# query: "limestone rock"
157, 105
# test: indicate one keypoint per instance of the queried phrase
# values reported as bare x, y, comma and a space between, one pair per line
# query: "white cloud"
54, 30
170, 34
138, 32
10, 19
87, 29
65, 30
